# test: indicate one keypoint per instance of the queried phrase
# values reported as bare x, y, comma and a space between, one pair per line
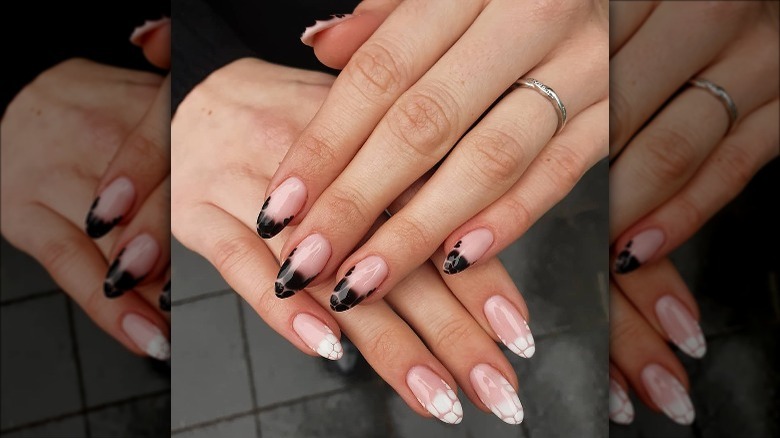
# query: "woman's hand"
228, 137
58, 136
404, 100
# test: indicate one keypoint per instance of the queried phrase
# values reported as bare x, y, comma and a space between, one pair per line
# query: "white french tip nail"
307, 37
149, 25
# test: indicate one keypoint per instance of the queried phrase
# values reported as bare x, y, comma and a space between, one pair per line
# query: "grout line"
202, 297
77, 361
248, 361
31, 297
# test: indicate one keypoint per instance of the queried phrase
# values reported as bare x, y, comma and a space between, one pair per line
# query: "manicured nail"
165, 297
132, 264
140, 32
318, 336
510, 326
146, 336
679, 324
468, 250
308, 35
497, 394
668, 393
621, 411
358, 283
110, 206
303, 264
639, 250
281, 207
435, 395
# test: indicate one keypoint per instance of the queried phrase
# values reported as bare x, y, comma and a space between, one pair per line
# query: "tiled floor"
235, 377
61, 375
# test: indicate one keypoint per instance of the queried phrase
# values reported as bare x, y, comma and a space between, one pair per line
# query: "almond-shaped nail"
318, 336
434, 394
281, 207
468, 250
509, 326
165, 297
668, 393
679, 324
111, 205
149, 26
621, 411
147, 336
639, 250
358, 283
308, 34
497, 393
304, 263
131, 265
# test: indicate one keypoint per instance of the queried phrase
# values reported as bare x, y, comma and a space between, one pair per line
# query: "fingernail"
468, 250
281, 207
132, 264
639, 250
358, 283
308, 34
318, 336
497, 394
140, 32
110, 206
435, 395
146, 336
510, 326
303, 264
621, 411
165, 297
668, 393
681, 327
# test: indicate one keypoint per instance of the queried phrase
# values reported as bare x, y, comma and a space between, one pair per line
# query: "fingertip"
335, 46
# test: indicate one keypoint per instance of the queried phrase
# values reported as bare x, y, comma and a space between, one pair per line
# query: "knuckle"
720, 10
376, 70
554, 9
619, 114
564, 165
422, 120
141, 144
451, 333
384, 346
625, 332
349, 206
519, 213
411, 233
59, 254
735, 166
670, 154
317, 150
497, 156
230, 254
687, 213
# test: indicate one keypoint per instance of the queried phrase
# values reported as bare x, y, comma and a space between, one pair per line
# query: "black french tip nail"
97, 227
118, 281
344, 298
626, 261
268, 227
455, 263
289, 282
165, 297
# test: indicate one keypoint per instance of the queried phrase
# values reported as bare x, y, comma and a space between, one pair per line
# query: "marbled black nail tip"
455, 263
626, 263
268, 228
283, 292
165, 297
111, 292
97, 228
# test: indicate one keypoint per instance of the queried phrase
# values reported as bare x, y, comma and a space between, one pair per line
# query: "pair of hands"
371, 139
675, 163
83, 130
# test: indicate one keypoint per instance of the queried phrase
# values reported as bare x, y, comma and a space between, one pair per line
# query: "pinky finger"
621, 410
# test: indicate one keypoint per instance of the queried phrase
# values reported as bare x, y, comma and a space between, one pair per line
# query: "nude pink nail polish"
149, 26
281, 207
509, 326
308, 34
318, 336
304, 263
496, 393
668, 393
621, 411
468, 250
131, 265
435, 395
679, 324
111, 205
639, 250
147, 336
358, 283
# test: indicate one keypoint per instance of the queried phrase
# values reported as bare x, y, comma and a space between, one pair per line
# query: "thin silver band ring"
549, 94
719, 92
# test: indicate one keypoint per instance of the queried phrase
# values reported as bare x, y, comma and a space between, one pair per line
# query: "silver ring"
722, 96
547, 92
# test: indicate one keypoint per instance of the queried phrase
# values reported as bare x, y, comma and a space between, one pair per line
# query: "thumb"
154, 38
337, 39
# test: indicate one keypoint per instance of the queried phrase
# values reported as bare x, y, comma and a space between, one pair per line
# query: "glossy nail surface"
358, 283
304, 263
146, 336
679, 324
668, 393
308, 34
496, 393
621, 410
318, 336
468, 250
281, 207
131, 265
149, 26
111, 205
434, 394
509, 326
639, 250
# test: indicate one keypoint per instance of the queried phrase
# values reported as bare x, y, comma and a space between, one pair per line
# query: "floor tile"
70, 427
20, 274
242, 427
191, 274
142, 418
